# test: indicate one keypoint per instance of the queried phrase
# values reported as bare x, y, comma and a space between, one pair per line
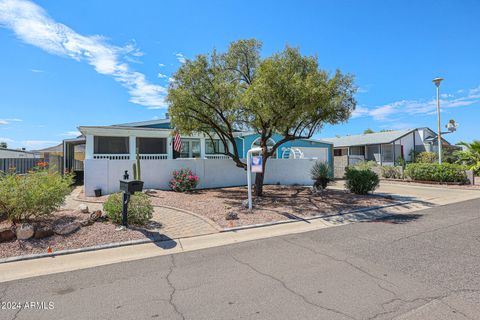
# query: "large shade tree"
219, 94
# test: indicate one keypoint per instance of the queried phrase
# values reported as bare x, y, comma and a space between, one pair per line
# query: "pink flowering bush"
183, 180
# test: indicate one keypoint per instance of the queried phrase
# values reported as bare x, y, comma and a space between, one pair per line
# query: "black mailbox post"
128, 187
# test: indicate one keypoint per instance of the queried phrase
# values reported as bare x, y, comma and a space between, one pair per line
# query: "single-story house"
6, 153
386, 147
110, 145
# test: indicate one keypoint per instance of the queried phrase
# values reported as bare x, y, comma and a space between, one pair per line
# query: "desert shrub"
391, 172
445, 172
183, 180
140, 208
365, 165
35, 194
426, 157
361, 181
321, 174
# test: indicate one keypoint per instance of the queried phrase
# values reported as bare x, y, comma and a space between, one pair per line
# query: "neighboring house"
16, 153
385, 147
110, 150
58, 151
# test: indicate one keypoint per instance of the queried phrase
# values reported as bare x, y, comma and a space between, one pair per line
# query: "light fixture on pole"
439, 136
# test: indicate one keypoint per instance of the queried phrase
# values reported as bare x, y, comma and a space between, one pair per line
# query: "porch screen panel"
110, 145
387, 151
152, 145
215, 147
357, 151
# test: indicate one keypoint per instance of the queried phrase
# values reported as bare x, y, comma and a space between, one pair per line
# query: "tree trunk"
259, 177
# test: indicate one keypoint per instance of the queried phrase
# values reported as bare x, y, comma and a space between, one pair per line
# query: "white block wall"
105, 174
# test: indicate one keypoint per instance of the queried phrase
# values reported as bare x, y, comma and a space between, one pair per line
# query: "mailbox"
131, 186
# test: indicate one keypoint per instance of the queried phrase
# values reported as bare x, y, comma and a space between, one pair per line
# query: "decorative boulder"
6, 232
43, 231
83, 208
245, 203
66, 229
25, 231
231, 216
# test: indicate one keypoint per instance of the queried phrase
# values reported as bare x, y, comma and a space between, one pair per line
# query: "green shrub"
183, 180
365, 165
391, 172
445, 172
321, 174
361, 181
33, 195
426, 157
140, 208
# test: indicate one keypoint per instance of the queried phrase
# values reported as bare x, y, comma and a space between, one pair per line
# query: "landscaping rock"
67, 228
43, 232
231, 216
83, 208
25, 231
96, 215
6, 232
245, 203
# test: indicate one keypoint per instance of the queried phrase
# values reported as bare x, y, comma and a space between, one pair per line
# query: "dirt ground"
278, 203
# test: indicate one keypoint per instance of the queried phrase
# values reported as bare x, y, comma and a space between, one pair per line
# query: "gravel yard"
95, 234
278, 203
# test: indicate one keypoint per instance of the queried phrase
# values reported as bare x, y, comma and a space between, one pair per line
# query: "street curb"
259, 225
78, 250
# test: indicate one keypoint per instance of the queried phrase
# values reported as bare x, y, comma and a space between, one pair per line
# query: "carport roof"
370, 138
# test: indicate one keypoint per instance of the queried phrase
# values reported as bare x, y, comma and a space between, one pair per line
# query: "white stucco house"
110, 150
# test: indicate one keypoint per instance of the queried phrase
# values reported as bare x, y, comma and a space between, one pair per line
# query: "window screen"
110, 145
152, 145
214, 147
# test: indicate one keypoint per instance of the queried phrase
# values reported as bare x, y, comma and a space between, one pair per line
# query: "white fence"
213, 173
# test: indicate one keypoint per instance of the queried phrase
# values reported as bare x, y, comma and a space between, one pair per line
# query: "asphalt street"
423, 265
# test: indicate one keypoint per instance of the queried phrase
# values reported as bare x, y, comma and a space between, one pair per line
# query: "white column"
89, 146
132, 145
202, 148
169, 148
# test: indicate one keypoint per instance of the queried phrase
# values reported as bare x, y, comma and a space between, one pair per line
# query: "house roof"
143, 123
370, 138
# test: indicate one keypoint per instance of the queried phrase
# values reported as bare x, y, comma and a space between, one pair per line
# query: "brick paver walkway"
175, 223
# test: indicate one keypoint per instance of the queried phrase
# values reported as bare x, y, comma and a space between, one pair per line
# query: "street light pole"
439, 135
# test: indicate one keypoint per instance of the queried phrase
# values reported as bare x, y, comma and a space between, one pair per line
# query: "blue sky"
70, 63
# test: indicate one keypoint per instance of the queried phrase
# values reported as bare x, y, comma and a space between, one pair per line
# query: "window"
190, 148
339, 152
110, 145
214, 147
152, 145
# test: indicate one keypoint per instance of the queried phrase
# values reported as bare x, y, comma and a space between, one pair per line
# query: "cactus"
136, 168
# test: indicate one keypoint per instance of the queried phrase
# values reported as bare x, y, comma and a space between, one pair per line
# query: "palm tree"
471, 156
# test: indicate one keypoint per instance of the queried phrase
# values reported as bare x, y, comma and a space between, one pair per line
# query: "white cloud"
8, 121
70, 134
7, 140
32, 24
36, 70
162, 76
180, 57
419, 106
161, 65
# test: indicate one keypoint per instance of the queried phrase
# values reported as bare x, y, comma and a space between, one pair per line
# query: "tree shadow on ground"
397, 218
